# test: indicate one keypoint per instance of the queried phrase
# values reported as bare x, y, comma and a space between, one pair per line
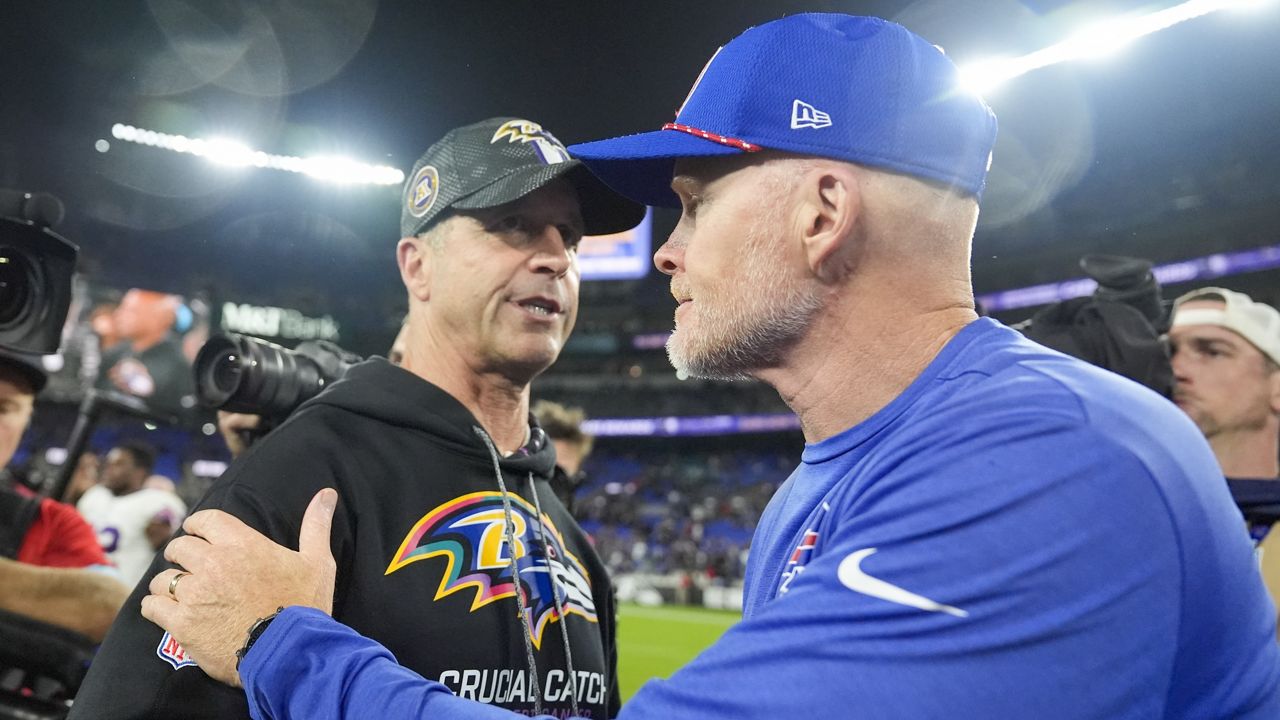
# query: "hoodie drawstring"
555, 594
515, 570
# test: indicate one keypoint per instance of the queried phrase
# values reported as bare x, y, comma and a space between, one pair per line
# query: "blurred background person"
102, 320
1226, 363
84, 477
564, 426
396, 354
131, 520
150, 363
238, 430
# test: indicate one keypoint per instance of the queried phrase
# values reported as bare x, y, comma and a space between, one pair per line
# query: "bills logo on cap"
423, 191
804, 115
171, 652
549, 149
698, 82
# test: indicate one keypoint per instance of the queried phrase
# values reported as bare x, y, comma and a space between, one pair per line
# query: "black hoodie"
421, 541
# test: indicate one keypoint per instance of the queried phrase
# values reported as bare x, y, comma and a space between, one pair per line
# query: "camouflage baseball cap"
497, 161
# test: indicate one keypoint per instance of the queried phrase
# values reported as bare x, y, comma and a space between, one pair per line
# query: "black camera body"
36, 269
242, 374
1118, 328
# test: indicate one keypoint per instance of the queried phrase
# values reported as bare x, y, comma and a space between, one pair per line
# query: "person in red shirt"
51, 566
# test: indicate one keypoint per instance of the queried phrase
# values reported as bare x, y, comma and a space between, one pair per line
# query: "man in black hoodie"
451, 547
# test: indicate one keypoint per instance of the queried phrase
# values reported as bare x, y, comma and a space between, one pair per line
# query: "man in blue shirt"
980, 527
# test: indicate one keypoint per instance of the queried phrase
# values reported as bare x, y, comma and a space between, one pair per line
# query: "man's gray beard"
740, 349
756, 333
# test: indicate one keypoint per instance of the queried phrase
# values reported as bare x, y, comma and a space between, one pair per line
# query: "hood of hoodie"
376, 388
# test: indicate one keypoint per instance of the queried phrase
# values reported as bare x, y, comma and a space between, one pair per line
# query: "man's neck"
1248, 454
854, 363
499, 403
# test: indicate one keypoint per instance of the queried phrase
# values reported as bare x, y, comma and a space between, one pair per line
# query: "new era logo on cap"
804, 115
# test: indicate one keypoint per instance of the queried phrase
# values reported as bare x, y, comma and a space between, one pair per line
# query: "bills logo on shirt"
171, 652
803, 552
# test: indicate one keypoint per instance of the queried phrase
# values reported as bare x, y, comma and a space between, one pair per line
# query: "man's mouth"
541, 306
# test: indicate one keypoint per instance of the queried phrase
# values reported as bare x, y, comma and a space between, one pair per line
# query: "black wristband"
258, 627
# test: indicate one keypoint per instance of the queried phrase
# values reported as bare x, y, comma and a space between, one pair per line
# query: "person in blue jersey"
980, 527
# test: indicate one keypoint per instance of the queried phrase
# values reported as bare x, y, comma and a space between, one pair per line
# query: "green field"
656, 641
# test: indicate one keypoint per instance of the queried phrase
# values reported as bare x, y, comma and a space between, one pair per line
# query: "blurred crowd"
690, 513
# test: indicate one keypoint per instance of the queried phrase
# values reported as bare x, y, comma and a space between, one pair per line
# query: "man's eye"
572, 236
511, 223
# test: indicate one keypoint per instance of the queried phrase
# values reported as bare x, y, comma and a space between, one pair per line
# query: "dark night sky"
1091, 157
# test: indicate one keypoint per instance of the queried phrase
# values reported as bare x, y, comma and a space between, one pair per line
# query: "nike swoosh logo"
852, 576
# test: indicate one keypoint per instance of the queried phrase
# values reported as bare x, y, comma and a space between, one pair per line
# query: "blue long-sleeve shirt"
1017, 534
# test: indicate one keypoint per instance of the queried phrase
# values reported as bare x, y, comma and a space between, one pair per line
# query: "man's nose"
554, 255
669, 258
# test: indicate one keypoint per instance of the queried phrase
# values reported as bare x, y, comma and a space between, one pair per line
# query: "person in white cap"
1226, 362
1226, 359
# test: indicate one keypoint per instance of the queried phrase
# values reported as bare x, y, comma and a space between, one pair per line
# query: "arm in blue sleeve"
309, 666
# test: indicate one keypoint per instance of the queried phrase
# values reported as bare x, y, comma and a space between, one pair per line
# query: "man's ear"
414, 259
830, 202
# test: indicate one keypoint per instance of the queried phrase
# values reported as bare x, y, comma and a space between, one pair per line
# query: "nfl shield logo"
171, 652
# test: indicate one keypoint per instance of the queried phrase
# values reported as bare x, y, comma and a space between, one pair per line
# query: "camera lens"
17, 283
219, 369
244, 374
226, 373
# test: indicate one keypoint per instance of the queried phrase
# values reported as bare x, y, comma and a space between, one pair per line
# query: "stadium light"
1100, 40
233, 153
223, 151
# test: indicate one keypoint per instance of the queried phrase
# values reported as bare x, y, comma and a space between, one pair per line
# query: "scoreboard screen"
620, 256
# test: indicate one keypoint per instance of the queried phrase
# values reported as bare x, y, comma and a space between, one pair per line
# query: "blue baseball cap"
857, 89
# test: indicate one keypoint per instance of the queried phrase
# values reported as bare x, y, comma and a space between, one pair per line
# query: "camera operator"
51, 567
1226, 360
450, 545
